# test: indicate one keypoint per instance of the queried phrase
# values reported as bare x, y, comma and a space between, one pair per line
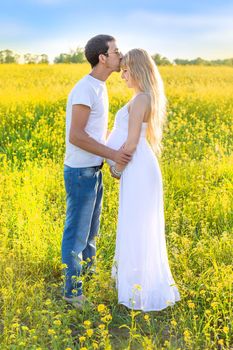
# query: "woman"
141, 268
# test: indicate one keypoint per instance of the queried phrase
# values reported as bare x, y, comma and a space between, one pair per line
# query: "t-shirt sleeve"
83, 94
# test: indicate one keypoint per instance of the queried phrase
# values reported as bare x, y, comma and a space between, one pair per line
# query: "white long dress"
141, 268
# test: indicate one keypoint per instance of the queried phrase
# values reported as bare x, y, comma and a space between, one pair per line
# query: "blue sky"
175, 29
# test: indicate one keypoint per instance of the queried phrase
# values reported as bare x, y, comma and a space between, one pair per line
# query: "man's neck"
100, 74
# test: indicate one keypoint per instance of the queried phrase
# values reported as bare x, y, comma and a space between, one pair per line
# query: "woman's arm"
137, 113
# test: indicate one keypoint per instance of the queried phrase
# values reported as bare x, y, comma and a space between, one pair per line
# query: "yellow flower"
173, 323
89, 332
68, 348
137, 286
83, 348
101, 307
25, 328
51, 331
221, 342
191, 305
101, 326
166, 343
82, 339
57, 322
105, 333
186, 335
48, 302
87, 323
15, 325
106, 318
68, 331
214, 304
146, 317
225, 330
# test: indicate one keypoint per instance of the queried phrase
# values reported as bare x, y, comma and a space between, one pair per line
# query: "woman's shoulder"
142, 99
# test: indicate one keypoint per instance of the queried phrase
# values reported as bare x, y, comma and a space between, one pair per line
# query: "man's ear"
102, 58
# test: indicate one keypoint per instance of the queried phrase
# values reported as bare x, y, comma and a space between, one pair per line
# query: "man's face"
113, 57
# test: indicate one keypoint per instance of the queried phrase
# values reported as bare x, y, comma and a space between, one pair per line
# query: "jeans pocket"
87, 172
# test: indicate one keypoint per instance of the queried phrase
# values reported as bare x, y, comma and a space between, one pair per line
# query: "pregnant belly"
115, 140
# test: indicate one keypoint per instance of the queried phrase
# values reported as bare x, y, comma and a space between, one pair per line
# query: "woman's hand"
113, 175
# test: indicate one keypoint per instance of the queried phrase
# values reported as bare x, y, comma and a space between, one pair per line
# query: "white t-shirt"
93, 93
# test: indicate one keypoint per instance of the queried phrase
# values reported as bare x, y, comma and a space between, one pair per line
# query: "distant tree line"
77, 56
163, 61
8, 56
201, 62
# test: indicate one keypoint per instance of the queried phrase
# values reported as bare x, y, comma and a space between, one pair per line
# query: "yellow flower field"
197, 173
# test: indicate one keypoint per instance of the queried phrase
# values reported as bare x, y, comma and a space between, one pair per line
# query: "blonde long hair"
144, 72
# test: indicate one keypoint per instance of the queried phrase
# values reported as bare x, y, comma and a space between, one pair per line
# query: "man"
86, 127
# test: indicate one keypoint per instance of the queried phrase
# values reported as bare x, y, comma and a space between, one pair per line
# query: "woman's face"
125, 74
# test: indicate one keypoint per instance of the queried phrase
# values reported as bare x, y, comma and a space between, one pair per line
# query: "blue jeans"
84, 190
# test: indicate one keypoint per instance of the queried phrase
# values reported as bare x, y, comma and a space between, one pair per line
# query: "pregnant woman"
141, 268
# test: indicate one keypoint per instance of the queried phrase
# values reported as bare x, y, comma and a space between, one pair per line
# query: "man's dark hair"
95, 46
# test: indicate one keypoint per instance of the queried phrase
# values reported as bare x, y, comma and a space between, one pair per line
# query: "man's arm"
79, 137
